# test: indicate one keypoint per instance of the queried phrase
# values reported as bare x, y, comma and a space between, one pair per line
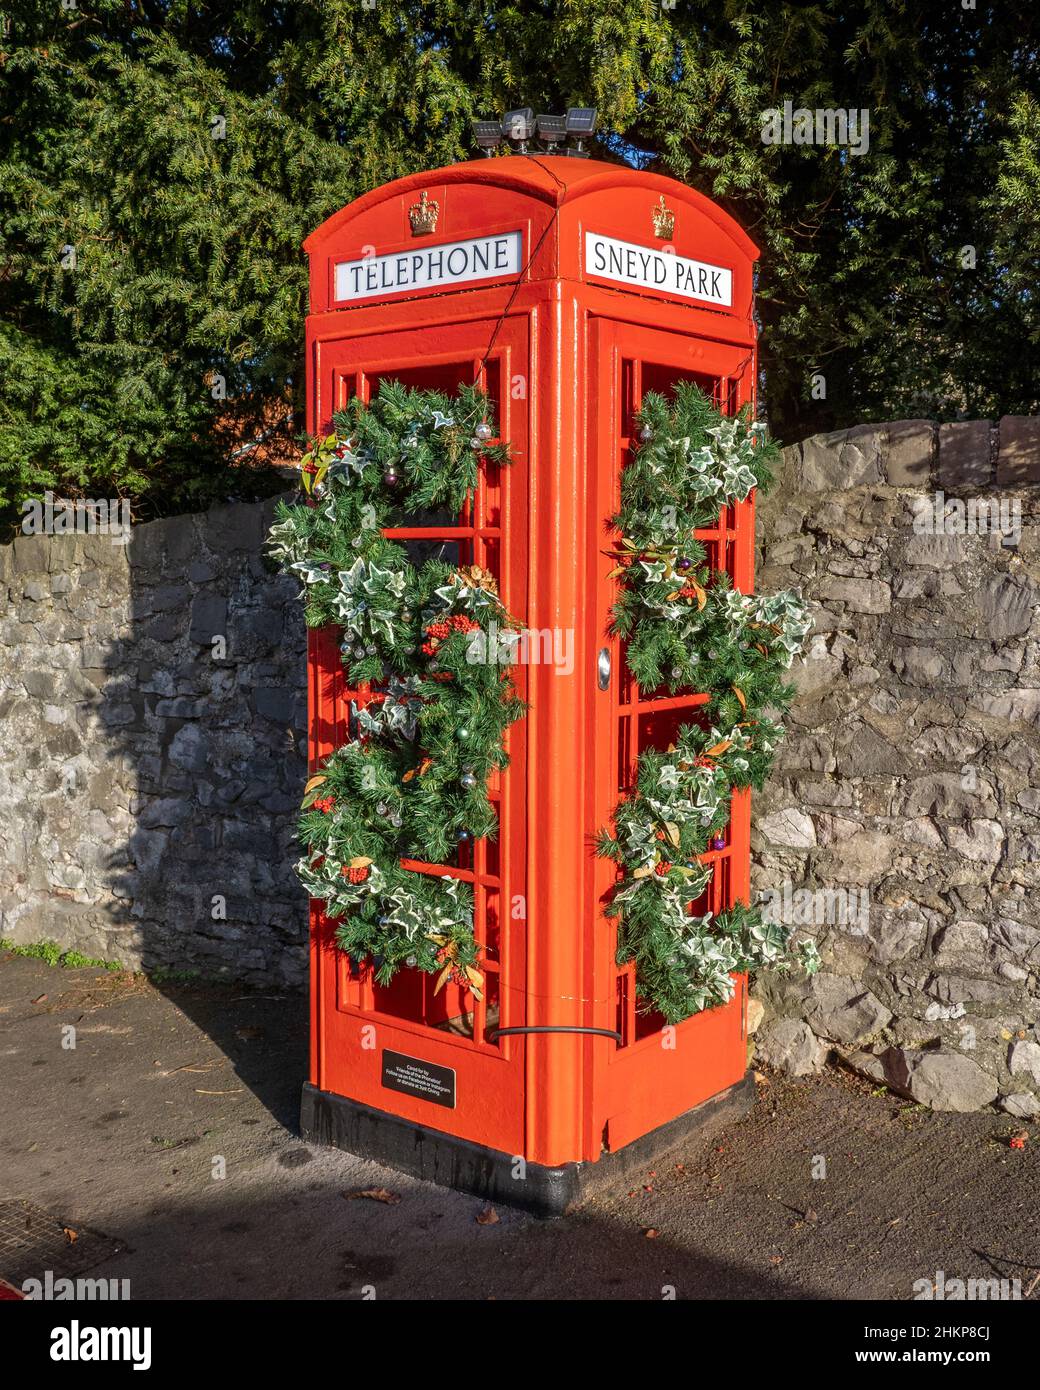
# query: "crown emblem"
423, 215
664, 220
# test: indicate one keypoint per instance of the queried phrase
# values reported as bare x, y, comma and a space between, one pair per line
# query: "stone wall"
153, 705
901, 824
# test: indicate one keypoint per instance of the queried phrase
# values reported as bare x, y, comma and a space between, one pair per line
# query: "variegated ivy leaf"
285, 541
310, 572
654, 569
459, 593
363, 605
737, 481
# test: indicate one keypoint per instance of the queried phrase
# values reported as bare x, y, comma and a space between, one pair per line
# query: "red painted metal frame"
568, 361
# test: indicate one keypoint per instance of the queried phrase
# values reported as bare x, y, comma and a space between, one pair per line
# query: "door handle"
603, 668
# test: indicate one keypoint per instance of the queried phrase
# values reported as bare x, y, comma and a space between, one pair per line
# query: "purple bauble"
719, 842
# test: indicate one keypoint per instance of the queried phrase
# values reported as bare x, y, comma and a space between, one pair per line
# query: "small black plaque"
415, 1077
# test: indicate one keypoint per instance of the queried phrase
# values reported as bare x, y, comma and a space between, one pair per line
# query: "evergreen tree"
183, 149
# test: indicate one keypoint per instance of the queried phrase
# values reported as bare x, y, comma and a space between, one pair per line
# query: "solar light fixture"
518, 128
552, 131
580, 122
488, 135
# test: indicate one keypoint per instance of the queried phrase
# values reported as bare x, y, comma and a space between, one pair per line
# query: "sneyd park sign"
499, 257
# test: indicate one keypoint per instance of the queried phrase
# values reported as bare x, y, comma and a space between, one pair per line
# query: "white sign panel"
429, 267
648, 269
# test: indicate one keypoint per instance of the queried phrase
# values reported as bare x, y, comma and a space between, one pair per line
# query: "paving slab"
168, 1129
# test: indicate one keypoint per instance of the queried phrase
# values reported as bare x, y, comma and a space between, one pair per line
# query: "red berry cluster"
662, 868
355, 875
324, 803
437, 632
446, 956
688, 591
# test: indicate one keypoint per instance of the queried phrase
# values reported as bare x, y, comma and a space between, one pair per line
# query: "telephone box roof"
553, 179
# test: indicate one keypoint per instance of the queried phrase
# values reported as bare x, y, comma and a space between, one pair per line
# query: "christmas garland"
685, 627
412, 782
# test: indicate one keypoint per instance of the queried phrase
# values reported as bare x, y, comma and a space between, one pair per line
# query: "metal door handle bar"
494, 1033
603, 668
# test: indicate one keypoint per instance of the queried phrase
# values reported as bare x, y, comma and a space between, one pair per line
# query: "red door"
657, 1072
356, 1021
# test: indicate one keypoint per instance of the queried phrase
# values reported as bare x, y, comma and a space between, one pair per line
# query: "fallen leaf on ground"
375, 1194
39, 999
488, 1217
70, 1235
651, 1233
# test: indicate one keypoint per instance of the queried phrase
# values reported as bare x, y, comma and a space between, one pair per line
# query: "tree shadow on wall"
203, 703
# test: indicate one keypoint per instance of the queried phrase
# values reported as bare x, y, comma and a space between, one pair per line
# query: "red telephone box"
568, 288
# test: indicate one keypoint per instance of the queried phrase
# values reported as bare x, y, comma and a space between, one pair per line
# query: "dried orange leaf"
375, 1194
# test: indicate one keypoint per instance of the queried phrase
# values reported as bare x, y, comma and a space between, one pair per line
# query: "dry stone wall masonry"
153, 704
900, 828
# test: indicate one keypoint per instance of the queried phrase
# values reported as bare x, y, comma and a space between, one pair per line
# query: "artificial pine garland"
686, 628
412, 784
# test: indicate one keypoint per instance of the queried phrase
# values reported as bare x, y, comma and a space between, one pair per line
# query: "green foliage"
686, 628
412, 782
54, 955
188, 247
691, 462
